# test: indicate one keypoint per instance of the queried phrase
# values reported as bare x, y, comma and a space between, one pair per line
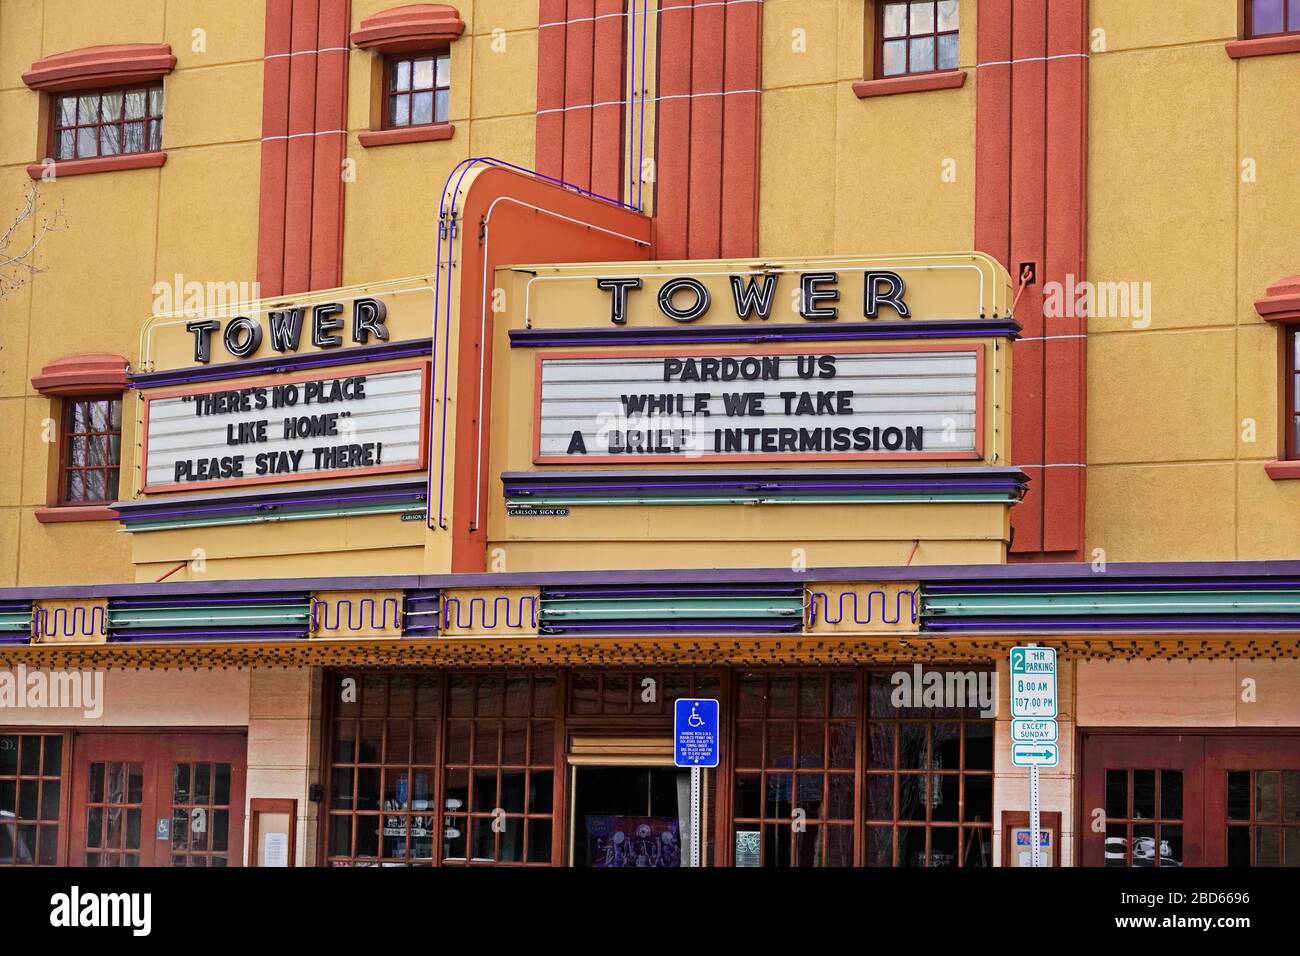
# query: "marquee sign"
867, 402
363, 421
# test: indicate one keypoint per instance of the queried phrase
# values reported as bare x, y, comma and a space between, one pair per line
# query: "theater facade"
413, 402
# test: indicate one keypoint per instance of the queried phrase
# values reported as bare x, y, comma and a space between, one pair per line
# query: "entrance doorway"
1172, 800
627, 816
158, 800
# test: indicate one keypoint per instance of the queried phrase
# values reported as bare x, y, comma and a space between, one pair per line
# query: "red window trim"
413, 27
1281, 304
910, 83
878, 65
66, 514
95, 373
65, 432
425, 133
387, 94
99, 164
1264, 46
101, 66
53, 129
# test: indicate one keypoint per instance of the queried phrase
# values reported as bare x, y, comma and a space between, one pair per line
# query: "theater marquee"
368, 420
913, 402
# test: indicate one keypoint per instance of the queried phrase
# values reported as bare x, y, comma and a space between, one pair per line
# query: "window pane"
67, 145
948, 52
444, 67
110, 140
895, 20
155, 101
1239, 795
67, 111
88, 109
155, 134
443, 109
112, 107
402, 75
1266, 16
76, 487
922, 18
948, 15
921, 55
135, 103
401, 115
1293, 18
87, 142
422, 74
134, 141
421, 109
893, 60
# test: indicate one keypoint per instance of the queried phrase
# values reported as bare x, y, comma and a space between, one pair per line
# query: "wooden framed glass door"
1171, 800
158, 800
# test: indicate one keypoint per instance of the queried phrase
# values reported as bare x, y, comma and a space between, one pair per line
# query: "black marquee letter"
203, 339
368, 318
322, 324
286, 329
810, 294
672, 287
750, 299
252, 341
618, 305
893, 297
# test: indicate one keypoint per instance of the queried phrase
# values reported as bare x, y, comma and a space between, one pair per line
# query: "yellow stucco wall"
843, 175
1191, 187
197, 216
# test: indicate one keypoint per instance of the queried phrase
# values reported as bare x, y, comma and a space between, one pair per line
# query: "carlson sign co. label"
287, 428
871, 402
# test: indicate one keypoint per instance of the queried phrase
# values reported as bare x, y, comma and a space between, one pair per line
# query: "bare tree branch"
18, 266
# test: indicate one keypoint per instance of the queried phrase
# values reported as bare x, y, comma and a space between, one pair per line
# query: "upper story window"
1292, 417
106, 123
917, 36
418, 89
92, 450
1272, 17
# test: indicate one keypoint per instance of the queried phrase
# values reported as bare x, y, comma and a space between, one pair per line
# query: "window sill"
100, 164
1264, 46
406, 134
910, 83
67, 513
1283, 470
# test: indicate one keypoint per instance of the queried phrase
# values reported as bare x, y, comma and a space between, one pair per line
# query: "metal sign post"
1033, 727
1034, 838
695, 745
695, 816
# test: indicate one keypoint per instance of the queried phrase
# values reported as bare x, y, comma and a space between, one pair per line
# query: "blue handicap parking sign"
695, 732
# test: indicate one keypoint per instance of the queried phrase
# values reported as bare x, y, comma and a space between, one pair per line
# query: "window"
916, 36
796, 747
1292, 426
384, 752
1272, 17
500, 769
107, 123
92, 450
418, 90
1263, 818
929, 783
31, 784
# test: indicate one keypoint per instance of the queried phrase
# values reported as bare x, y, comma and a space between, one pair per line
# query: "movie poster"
633, 841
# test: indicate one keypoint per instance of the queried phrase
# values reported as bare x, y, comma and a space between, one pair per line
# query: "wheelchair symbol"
694, 719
